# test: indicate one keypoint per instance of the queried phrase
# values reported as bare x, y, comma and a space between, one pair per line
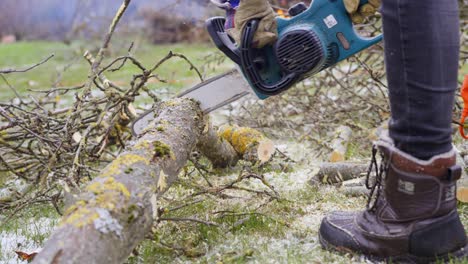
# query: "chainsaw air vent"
299, 51
333, 55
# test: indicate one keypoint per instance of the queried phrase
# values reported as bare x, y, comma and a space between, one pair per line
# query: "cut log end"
462, 194
340, 143
337, 156
265, 150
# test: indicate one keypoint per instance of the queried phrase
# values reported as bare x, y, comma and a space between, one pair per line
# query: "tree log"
115, 212
249, 143
331, 173
219, 151
355, 187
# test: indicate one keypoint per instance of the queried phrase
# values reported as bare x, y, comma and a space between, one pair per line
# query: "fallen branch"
332, 173
355, 187
220, 152
188, 220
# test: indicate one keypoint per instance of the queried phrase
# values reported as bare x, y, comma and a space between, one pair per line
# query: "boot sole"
461, 253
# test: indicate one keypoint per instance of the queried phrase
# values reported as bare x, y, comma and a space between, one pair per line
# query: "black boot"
411, 215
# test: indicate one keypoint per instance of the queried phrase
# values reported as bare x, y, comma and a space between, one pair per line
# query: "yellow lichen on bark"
3, 134
74, 207
80, 217
108, 185
157, 148
241, 138
143, 145
123, 162
249, 143
108, 194
162, 150
171, 103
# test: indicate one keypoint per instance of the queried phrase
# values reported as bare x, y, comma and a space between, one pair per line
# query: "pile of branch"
56, 145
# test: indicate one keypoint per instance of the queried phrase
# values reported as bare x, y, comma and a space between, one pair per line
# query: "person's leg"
414, 216
421, 52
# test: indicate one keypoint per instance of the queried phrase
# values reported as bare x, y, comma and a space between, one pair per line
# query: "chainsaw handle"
221, 39
249, 67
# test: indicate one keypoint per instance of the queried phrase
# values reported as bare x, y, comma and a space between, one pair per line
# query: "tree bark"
250, 144
216, 149
331, 172
115, 212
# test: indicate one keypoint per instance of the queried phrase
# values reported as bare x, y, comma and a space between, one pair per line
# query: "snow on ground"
24, 238
9, 242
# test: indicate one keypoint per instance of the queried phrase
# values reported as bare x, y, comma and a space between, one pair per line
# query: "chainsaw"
311, 40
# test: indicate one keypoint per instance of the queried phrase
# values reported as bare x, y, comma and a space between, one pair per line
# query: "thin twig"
7, 71
188, 220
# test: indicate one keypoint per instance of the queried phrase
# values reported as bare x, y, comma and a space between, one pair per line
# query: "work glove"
267, 32
358, 14
239, 13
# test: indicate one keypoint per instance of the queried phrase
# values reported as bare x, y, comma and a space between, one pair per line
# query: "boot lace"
379, 169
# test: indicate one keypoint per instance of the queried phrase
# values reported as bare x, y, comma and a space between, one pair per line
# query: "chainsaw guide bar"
212, 94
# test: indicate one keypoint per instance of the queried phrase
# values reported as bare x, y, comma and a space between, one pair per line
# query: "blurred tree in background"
161, 21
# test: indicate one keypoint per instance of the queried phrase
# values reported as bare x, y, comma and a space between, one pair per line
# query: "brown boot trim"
438, 168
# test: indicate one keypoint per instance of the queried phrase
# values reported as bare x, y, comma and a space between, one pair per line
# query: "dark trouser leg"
413, 216
421, 52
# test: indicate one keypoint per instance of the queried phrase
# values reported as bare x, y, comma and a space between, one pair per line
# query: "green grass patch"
69, 68
31, 213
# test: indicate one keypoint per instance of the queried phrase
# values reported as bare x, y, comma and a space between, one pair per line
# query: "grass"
283, 231
27, 232
69, 58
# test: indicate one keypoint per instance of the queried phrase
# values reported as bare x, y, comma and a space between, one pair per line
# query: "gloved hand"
237, 15
267, 32
358, 14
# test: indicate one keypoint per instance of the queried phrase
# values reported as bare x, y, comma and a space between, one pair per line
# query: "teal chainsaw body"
312, 40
